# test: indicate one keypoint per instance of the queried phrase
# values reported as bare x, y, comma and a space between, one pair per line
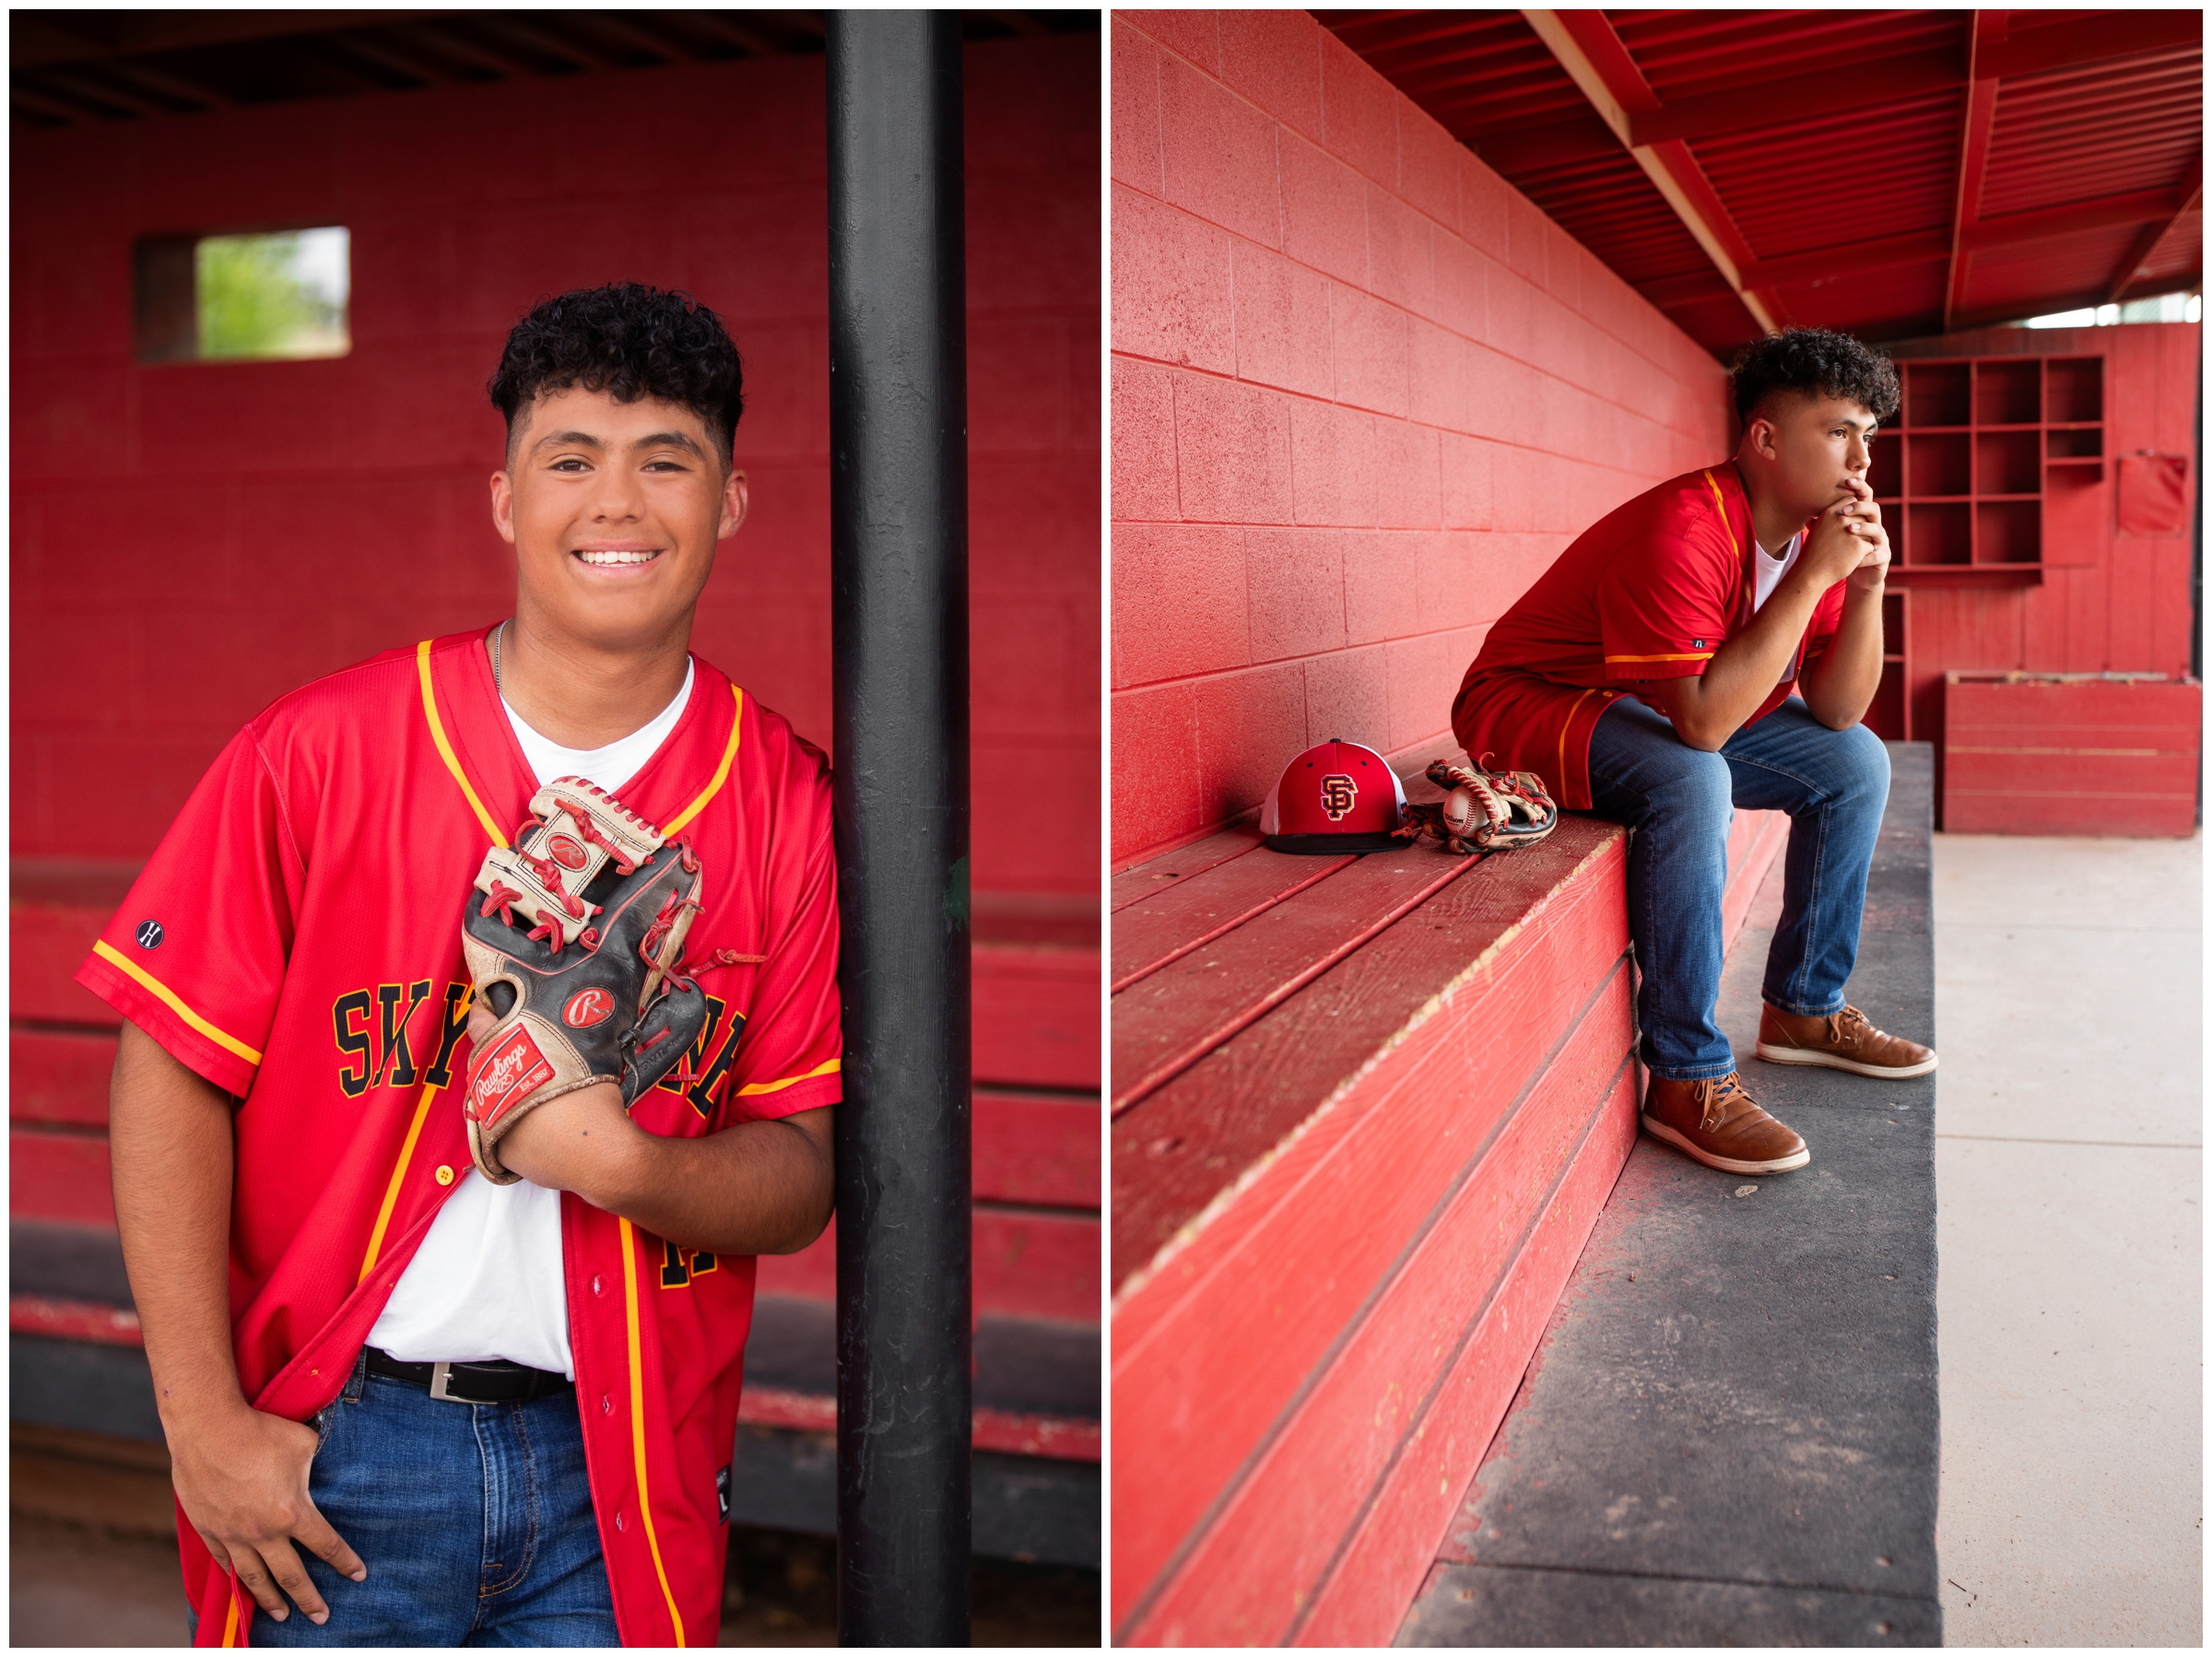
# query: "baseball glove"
575, 938
1483, 810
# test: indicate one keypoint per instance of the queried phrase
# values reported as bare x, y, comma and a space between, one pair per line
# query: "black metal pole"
899, 562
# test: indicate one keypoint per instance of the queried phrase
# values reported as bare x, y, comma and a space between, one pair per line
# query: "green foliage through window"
282, 295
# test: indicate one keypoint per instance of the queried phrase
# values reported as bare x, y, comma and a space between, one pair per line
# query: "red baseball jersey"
1649, 592
296, 941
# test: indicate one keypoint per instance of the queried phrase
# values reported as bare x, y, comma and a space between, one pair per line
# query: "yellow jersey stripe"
1566, 725
175, 1003
230, 1617
1720, 504
1688, 655
399, 1168
637, 1414
722, 772
831, 1068
445, 748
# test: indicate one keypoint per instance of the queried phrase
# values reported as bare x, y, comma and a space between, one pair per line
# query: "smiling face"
1812, 448
614, 509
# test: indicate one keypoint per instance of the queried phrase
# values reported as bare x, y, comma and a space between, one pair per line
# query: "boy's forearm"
1840, 682
757, 1187
171, 1150
1709, 708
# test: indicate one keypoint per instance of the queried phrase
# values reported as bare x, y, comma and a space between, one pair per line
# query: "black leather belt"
495, 1381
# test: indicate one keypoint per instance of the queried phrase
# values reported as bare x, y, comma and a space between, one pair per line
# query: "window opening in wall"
243, 298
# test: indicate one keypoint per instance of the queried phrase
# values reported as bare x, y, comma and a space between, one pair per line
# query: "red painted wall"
1363, 394
192, 541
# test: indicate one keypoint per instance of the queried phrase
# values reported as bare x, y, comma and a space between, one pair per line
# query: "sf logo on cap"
1337, 792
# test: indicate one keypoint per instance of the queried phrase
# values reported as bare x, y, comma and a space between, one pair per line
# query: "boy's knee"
1866, 763
1703, 794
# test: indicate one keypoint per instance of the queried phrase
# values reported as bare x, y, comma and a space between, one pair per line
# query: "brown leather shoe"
1843, 1040
1717, 1122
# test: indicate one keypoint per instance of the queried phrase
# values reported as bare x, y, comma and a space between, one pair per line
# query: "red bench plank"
1035, 1150
1010, 1432
1270, 1539
57, 1076
1036, 1018
59, 1177
1364, 1599
46, 943
1183, 1148
1170, 922
1216, 1331
1153, 875
1170, 1021
1027, 1264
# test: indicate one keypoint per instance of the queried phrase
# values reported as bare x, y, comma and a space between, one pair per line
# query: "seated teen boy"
1711, 644
485, 1413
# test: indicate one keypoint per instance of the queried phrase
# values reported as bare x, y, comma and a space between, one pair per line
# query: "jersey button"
598, 1287
606, 1405
444, 1175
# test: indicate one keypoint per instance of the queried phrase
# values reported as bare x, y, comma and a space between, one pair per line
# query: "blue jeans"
1680, 801
474, 1520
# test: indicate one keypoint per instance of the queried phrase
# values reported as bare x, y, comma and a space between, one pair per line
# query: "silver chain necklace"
495, 660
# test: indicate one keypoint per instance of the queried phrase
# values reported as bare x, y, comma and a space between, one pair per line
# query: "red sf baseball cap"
1334, 798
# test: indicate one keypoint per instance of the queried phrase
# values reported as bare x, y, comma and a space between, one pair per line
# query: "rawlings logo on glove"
576, 939
1483, 810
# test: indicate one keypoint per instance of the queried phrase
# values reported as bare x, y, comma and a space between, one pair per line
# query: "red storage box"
2055, 753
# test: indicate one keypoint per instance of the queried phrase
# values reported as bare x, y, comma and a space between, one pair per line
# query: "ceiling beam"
461, 46
146, 74
385, 57
2160, 207
736, 34
1978, 122
37, 38
2081, 41
84, 87
2148, 244
1555, 144
1595, 56
53, 109
1794, 96
643, 40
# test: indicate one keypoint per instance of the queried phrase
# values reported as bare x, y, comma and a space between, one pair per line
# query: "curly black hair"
632, 340
1818, 362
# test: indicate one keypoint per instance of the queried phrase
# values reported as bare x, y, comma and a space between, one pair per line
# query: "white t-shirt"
488, 1281
1768, 571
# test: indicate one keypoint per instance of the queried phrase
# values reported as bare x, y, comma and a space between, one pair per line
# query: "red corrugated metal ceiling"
1893, 173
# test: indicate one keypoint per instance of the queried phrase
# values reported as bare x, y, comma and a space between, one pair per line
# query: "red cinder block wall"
1363, 394
191, 541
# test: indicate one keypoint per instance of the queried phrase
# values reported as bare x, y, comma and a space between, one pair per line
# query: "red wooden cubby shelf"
1982, 481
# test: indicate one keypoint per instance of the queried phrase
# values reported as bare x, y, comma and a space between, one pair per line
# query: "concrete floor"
2069, 1180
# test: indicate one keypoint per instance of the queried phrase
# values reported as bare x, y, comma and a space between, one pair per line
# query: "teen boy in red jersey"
486, 1414
1714, 643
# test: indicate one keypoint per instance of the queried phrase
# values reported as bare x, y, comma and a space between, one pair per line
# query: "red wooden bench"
1365, 1110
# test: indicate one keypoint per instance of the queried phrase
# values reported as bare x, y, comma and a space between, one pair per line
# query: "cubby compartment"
1893, 624
1937, 393
2076, 445
1885, 471
2011, 532
2006, 462
1939, 534
2008, 393
1938, 464
2077, 390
